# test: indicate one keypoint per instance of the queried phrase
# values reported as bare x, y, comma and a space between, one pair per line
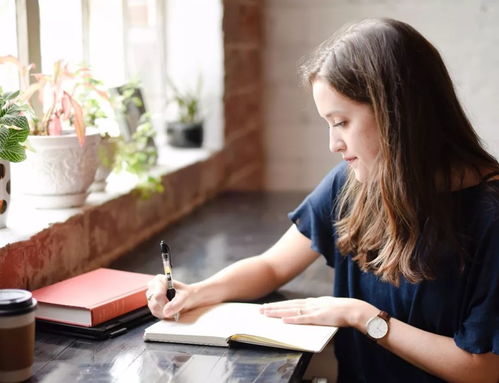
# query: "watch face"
377, 327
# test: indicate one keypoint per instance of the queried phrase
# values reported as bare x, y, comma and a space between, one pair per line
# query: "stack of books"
100, 304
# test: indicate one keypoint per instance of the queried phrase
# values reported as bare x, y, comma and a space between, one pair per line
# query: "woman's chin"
359, 175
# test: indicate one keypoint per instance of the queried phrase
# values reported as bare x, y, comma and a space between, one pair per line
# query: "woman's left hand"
327, 311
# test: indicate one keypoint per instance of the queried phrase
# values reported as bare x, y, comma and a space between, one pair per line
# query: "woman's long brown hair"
394, 223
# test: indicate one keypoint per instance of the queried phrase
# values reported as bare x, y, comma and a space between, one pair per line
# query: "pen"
167, 266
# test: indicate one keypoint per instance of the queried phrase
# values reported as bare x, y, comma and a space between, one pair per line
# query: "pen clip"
166, 253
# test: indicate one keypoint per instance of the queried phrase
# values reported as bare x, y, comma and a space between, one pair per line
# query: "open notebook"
219, 324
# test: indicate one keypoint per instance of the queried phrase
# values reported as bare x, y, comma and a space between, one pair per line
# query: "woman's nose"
336, 144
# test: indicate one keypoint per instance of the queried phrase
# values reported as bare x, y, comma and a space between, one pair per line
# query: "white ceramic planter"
59, 173
4, 191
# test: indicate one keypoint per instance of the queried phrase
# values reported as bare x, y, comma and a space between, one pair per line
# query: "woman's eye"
341, 124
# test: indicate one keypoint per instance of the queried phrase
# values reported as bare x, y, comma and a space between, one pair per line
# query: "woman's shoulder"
478, 215
481, 200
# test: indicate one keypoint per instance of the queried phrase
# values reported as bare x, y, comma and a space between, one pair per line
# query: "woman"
409, 221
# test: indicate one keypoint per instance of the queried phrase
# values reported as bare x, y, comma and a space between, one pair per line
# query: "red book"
92, 298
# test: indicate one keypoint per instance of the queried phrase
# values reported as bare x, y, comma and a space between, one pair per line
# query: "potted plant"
128, 148
187, 130
98, 107
58, 173
14, 129
137, 157
134, 152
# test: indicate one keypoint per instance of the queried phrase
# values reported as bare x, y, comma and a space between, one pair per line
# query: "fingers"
328, 311
298, 311
283, 312
156, 295
285, 304
282, 307
294, 315
172, 308
285, 309
300, 319
157, 285
157, 301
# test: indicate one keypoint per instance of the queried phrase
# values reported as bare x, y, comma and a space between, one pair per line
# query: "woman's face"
352, 128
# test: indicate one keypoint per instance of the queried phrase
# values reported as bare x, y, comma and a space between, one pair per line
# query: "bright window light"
106, 41
144, 52
9, 79
60, 32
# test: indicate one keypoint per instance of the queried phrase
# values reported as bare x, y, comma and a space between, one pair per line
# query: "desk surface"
228, 228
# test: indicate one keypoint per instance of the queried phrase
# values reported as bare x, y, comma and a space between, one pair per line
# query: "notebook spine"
120, 306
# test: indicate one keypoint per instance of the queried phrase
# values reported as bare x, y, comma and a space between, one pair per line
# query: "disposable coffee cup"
17, 334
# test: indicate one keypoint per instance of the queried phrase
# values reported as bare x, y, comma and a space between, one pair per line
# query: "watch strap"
384, 315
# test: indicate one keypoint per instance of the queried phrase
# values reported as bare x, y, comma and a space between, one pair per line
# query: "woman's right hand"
158, 303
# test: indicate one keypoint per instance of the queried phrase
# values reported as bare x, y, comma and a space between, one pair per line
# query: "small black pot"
183, 135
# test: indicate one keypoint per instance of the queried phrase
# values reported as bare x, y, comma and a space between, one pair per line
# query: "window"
60, 32
124, 40
195, 50
145, 53
9, 79
106, 44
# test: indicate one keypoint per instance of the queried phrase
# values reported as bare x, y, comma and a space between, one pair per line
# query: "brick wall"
243, 40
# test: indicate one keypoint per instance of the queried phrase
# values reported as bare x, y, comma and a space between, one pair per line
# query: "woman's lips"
350, 159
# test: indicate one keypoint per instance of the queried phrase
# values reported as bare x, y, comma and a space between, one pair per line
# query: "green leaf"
10, 149
11, 95
18, 124
13, 132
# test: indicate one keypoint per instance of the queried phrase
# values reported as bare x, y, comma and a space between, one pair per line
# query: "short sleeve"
314, 216
479, 332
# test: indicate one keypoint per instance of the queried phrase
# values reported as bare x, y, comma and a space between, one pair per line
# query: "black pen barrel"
170, 294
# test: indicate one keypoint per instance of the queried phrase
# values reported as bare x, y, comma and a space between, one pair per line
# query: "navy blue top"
464, 306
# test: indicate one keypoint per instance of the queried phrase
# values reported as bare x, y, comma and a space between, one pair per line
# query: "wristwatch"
377, 327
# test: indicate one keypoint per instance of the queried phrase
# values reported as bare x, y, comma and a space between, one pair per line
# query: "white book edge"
66, 314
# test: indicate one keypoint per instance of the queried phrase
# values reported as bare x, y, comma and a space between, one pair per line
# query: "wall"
243, 40
466, 33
